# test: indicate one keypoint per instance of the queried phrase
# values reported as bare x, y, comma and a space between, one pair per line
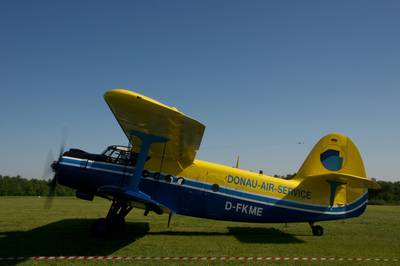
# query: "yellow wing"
134, 111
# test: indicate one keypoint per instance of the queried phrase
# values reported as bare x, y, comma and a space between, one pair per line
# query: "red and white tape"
200, 258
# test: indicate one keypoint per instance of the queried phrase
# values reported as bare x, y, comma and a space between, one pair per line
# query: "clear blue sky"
261, 75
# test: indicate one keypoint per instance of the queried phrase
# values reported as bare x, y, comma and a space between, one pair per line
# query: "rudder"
334, 153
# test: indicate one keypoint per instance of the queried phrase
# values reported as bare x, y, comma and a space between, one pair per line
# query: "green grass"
27, 229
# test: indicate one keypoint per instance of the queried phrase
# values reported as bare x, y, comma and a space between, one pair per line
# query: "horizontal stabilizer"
133, 196
343, 178
335, 158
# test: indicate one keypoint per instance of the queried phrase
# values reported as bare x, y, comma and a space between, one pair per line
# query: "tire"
318, 230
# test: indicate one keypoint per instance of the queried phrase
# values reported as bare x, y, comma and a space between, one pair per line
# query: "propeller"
47, 171
52, 166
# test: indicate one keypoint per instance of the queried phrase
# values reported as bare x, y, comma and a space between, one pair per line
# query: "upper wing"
135, 112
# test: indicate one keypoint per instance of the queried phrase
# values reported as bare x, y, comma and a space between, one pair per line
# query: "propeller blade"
49, 200
53, 186
64, 137
52, 192
53, 167
47, 170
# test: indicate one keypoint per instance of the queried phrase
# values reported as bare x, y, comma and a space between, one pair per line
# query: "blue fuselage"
198, 198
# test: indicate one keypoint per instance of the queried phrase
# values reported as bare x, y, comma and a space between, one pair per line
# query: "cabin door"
214, 202
190, 196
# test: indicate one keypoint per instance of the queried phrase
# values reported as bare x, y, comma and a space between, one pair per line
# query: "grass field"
27, 229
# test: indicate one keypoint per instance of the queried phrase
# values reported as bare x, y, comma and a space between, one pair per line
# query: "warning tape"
199, 258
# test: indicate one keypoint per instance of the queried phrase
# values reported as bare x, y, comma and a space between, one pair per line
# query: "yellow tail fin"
335, 157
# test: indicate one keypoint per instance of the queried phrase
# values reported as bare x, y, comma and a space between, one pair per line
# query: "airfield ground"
27, 229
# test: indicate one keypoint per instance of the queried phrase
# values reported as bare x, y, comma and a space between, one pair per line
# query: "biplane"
157, 172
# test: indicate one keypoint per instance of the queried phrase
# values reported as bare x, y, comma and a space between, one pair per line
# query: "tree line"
388, 194
18, 186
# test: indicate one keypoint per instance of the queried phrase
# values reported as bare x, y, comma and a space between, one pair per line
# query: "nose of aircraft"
54, 166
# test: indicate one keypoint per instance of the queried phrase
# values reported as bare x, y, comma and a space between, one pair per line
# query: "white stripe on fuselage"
219, 193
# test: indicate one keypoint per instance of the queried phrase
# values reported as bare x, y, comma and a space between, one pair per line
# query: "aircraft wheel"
101, 228
317, 230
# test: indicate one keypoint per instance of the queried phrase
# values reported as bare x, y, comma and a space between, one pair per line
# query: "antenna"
237, 162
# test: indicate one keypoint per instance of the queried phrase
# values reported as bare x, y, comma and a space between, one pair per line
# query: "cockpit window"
108, 151
115, 154
118, 154
123, 158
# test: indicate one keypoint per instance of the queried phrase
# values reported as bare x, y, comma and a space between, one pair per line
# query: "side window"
108, 152
215, 187
123, 158
115, 155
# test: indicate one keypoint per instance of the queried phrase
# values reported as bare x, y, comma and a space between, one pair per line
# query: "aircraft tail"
335, 158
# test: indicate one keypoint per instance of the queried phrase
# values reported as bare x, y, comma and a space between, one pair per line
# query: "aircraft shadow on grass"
71, 237
251, 235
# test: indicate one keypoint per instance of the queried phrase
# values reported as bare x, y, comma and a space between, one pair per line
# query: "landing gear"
317, 230
115, 220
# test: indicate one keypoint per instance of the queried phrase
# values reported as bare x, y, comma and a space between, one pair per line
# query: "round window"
215, 187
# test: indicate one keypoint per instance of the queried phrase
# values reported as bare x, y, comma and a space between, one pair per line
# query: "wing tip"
371, 184
116, 93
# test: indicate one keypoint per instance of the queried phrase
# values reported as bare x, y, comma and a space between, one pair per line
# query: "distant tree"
388, 194
18, 186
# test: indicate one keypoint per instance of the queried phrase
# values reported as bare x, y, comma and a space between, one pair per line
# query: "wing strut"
146, 141
334, 185
131, 190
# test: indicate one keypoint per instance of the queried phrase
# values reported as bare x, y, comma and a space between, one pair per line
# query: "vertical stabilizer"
333, 154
